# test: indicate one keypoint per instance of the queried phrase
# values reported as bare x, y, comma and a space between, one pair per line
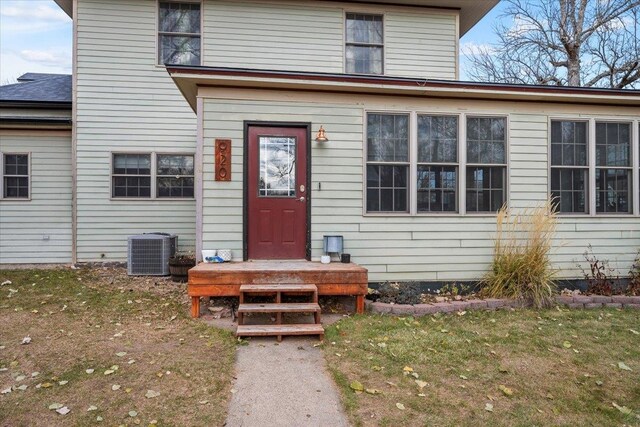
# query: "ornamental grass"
521, 268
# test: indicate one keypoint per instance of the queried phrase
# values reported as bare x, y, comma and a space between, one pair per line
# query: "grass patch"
88, 319
560, 367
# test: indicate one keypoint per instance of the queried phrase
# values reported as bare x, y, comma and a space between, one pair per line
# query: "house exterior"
414, 165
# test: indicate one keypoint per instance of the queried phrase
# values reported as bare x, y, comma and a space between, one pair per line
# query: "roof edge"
66, 6
50, 105
188, 78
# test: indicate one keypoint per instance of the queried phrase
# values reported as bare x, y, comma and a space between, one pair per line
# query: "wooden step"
279, 308
279, 330
288, 287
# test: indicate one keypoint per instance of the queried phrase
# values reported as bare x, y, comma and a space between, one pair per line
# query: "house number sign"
223, 160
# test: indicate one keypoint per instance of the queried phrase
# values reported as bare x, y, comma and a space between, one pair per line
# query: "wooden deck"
225, 279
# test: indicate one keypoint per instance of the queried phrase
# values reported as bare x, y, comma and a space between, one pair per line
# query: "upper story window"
364, 49
179, 39
15, 176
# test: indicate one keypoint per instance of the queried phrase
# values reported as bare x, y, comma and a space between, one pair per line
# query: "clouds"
35, 36
29, 10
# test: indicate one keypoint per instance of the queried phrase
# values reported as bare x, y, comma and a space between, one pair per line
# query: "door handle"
302, 199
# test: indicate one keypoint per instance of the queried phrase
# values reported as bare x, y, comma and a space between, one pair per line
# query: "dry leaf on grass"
624, 367
400, 406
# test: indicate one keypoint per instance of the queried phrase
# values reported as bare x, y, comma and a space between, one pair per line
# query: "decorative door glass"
277, 166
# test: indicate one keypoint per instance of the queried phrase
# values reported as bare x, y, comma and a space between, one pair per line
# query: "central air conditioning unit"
149, 254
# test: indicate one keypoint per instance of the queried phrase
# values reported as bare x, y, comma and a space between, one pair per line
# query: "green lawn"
511, 368
101, 341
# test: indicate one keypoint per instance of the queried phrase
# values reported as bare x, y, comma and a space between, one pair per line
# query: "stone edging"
578, 301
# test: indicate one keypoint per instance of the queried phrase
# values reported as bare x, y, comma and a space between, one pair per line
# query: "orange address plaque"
223, 159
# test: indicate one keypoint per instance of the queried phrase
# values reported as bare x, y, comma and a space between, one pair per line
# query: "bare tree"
591, 43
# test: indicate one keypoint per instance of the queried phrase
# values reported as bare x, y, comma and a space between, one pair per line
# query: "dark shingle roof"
38, 87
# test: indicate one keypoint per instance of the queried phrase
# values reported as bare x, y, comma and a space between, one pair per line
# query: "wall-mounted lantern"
321, 136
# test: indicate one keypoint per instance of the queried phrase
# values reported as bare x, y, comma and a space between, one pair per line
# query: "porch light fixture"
333, 245
320, 136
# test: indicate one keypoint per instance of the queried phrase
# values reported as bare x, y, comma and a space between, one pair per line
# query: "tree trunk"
573, 69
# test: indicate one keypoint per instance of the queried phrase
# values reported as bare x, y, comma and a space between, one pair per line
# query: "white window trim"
2, 175
410, 185
416, 163
413, 166
506, 165
153, 176
344, 40
591, 153
157, 29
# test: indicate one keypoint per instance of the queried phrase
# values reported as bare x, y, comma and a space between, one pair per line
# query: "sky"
36, 36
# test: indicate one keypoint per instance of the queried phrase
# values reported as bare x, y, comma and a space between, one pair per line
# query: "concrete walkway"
284, 384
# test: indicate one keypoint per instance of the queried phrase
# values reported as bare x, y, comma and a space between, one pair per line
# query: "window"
175, 176
364, 44
15, 176
437, 163
613, 168
569, 166
179, 33
131, 175
387, 162
486, 163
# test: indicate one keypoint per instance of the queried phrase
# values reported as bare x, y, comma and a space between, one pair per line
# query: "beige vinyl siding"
401, 247
298, 36
125, 103
26, 224
422, 45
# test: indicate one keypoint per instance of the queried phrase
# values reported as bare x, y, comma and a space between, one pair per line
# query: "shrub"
521, 268
634, 277
601, 276
405, 293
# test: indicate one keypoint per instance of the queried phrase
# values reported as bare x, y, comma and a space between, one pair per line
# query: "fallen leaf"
151, 394
372, 391
133, 414
23, 387
6, 391
622, 409
421, 384
506, 390
400, 406
488, 407
599, 383
115, 387
26, 340
90, 371
377, 368
92, 408
407, 369
99, 419
624, 367
63, 382
121, 353
633, 331
55, 406
20, 378
233, 391
356, 386
46, 385
63, 411
566, 344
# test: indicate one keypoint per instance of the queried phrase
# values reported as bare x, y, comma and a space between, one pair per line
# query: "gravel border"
577, 301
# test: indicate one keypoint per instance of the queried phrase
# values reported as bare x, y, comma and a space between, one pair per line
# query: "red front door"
277, 193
